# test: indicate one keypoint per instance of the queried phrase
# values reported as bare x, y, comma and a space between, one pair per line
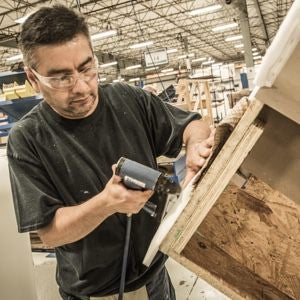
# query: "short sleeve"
167, 124
35, 198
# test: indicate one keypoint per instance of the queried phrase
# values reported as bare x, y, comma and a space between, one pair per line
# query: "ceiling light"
255, 53
102, 35
243, 51
150, 69
233, 38
108, 64
208, 62
239, 46
257, 57
15, 57
224, 27
24, 18
254, 49
172, 50
118, 80
199, 59
167, 70
103, 79
133, 67
134, 79
205, 10
186, 55
141, 45
169, 73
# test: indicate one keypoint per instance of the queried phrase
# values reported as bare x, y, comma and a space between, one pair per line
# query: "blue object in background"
244, 80
180, 168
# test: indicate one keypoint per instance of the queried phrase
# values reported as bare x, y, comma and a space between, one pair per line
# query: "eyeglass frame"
44, 79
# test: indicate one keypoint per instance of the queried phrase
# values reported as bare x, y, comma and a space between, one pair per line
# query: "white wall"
16, 264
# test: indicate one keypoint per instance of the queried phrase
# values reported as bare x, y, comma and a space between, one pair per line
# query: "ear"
32, 79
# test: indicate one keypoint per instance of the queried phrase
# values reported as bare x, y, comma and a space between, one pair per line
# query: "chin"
82, 110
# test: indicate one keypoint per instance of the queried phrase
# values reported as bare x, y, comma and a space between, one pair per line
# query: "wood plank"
221, 265
215, 281
254, 234
215, 180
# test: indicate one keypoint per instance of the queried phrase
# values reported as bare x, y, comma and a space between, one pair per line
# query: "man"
61, 156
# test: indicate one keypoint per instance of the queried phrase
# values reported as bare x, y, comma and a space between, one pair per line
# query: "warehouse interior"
238, 235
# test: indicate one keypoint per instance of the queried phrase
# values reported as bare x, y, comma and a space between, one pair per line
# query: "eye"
65, 78
86, 70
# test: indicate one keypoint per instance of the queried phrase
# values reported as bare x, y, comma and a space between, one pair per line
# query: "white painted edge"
283, 45
169, 221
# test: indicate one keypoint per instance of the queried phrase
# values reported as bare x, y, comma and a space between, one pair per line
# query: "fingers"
203, 150
189, 175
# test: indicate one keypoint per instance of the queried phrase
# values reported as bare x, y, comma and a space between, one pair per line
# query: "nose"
80, 86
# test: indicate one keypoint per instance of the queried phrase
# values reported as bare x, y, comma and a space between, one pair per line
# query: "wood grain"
215, 179
253, 237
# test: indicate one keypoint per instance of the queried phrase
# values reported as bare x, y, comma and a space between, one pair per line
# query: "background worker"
61, 156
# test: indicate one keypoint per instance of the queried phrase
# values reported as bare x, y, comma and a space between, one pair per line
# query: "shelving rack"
14, 109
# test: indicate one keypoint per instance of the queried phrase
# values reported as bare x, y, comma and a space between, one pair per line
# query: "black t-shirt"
56, 162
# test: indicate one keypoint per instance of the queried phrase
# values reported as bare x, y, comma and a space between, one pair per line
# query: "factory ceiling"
168, 24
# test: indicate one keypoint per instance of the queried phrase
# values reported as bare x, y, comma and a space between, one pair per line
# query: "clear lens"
67, 81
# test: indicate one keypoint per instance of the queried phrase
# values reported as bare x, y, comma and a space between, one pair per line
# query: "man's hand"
124, 200
196, 156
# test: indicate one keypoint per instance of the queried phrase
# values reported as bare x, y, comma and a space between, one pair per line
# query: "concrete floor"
187, 285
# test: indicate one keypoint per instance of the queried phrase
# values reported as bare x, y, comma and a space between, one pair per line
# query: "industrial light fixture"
173, 50
151, 69
168, 73
15, 57
257, 57
167, 70
108, 64
233, 38
205, 10
254, 49
118, 80
208, 62
199, 59
24, 18
133, 67
239, 46
102, 35
255, 53
134, 79
141, 45
102, 79
186, 55
225, 27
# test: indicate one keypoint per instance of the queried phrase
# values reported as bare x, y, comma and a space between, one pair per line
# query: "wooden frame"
266, 260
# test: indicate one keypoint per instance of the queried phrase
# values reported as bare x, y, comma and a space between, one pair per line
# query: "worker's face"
74, 57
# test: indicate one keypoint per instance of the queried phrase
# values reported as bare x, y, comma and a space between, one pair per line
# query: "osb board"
275, 158
250, 240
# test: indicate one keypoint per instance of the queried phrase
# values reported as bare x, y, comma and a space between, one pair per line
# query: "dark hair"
48, 26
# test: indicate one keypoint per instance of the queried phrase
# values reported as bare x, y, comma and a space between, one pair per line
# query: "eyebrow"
52, 72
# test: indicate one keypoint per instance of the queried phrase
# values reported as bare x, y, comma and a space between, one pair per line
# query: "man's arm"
198, 138
72, 223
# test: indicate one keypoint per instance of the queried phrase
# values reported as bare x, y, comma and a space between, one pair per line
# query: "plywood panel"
275, 158
251, 240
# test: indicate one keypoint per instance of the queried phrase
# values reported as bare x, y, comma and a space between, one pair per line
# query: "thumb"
115, 178
188, 177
